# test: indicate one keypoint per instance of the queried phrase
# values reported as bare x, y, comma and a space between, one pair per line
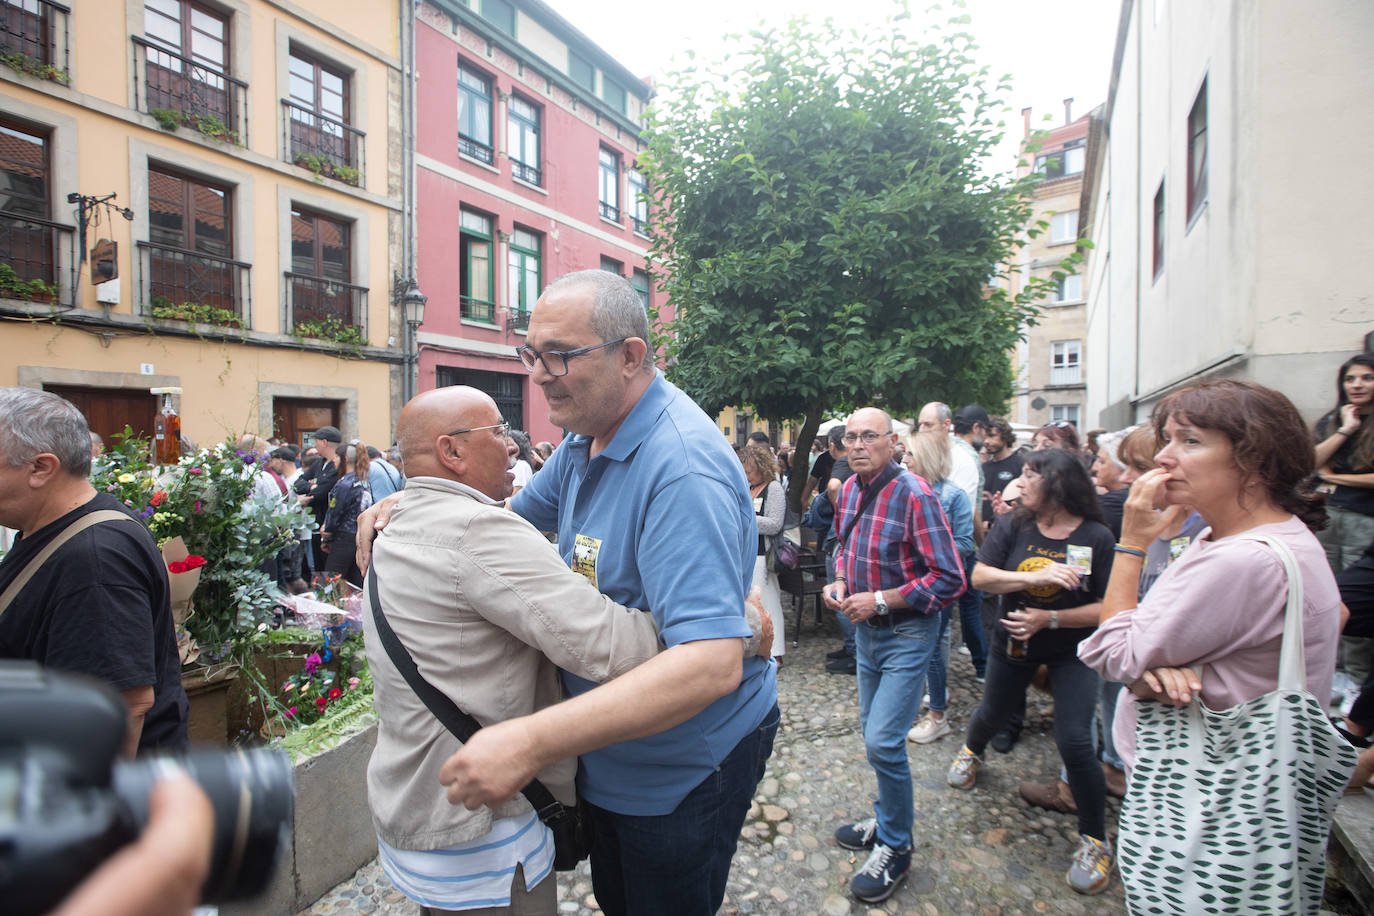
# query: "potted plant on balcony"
12, 287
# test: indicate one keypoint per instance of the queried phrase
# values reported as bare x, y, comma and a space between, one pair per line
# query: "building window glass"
611, 265
639, 201
609, 184
190, 240
1067, 413
189, 76
319, 113
500, 13
1197, 153
474, 115
1066, 363
506, 389
1069, 289
640, 281
581, 71
27, 238
523, 130
613, 94
523, 277
322, 270
1062, 162
1158, 232
475, 294
1064, 227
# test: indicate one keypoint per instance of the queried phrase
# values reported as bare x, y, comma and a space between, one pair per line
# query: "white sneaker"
929, 729
963, 650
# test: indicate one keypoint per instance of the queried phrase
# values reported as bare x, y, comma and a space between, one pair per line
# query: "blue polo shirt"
661, 520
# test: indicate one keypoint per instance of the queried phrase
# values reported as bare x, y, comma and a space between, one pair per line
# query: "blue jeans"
971, 619
937, 675
847, 626
892, 664
678, 862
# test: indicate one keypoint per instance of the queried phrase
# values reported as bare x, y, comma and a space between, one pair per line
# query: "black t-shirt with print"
996, 476
1020, 547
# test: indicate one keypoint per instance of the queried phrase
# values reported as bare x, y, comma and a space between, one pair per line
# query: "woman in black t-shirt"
1345, 461
1050, 561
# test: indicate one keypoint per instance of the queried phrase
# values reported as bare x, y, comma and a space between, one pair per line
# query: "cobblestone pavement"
982, 852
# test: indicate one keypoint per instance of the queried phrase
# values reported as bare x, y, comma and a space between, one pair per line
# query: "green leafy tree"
824, 229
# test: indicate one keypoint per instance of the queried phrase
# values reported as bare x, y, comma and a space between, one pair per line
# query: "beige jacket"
488, 610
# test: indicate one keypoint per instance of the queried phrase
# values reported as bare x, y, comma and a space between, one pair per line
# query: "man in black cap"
316, 482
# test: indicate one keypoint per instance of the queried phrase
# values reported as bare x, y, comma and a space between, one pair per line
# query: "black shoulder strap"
870, 493
462, 725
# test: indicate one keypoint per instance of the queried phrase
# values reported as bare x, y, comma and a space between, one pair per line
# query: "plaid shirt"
903, 541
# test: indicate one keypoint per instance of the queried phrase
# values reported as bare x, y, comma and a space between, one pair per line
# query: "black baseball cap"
967, 416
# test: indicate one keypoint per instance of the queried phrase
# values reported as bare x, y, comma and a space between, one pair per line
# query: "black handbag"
571, 827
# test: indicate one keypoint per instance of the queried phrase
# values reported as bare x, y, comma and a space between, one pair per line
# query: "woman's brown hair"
1268, 437
760, 459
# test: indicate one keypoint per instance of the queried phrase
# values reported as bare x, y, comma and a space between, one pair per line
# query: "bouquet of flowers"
330, 674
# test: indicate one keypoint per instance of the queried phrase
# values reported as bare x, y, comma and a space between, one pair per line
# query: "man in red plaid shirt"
896, 568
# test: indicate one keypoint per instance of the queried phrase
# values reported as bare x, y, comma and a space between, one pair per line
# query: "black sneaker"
885, 869
846, 665
858, 836
1005, 739
841, 652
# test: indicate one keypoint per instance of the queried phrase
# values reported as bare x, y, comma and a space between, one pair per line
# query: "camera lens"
251, 792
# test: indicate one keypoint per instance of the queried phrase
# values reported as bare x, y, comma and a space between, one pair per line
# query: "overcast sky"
1053, 49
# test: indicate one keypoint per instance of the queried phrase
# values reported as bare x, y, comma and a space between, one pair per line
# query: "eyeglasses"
503, 427
869, 437
556, 361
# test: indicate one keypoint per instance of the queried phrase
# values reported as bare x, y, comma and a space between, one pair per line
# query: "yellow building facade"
251, 149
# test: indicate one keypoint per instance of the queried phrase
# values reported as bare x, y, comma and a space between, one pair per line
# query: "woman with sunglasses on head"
1050, 561
1235, 453
350, 496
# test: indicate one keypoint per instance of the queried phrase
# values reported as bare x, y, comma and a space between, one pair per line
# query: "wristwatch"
880, 604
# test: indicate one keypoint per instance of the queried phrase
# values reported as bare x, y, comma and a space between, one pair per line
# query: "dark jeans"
677, 863
1075, 688
971, 618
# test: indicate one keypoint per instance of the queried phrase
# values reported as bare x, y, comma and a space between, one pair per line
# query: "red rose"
194, 561
177, 566
320, 701
335, 693
159, 498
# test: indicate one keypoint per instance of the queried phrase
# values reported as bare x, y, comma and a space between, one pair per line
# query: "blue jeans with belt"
892, 663
678, 862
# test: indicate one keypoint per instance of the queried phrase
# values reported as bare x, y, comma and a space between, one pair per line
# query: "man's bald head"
872, 442
429, 448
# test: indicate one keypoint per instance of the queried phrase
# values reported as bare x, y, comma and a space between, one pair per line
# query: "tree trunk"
801, 451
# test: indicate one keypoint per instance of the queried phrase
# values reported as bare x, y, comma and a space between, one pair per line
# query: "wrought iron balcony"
476, 309
321, 307
35, 38
526, 173
324, 145
476, 149
179, 91
37, 260
610, 211
177, 284
518, 319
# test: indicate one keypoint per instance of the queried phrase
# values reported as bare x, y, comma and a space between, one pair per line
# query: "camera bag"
570, 826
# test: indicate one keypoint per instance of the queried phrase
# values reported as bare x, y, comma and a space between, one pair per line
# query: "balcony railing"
328, 306
526, 173
182, 285
476, 309
179, 91
35, 37
326, 146
518, 319
1066, 375
42, 256
641, 225
478, 150
610, 211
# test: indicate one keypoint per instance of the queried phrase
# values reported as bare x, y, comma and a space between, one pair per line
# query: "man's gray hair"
34, 421
617, 310
942, 411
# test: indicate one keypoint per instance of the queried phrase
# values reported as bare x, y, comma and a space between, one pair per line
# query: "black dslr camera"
67, 803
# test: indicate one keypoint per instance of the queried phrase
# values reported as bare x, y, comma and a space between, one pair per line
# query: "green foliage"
824, 231
346, 335
325, 167
209, 125
208, 499
20, 62
11, 287
166, 118
166, 309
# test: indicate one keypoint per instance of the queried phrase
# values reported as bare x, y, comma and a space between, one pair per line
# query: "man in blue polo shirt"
650, 504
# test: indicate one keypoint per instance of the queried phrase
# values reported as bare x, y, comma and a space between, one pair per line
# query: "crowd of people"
632, 569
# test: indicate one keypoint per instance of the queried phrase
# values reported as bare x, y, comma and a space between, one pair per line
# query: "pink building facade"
525, 143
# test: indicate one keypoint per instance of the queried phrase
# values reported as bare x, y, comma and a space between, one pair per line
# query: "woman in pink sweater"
1235, 452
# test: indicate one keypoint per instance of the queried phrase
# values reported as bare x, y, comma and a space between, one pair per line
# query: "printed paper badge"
1081, 558
584, 554
1177, 546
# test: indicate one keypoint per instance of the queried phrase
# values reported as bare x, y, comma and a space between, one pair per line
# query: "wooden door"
109, 410
295, 420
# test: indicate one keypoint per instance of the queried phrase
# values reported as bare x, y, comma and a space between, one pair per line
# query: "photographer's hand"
161, 873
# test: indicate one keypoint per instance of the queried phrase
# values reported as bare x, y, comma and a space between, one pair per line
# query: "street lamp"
413, 313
